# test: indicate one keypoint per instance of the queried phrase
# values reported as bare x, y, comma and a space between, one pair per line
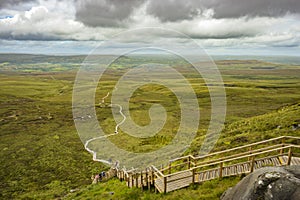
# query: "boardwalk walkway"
183, 171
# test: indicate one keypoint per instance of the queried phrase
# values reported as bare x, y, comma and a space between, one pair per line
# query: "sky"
221, 27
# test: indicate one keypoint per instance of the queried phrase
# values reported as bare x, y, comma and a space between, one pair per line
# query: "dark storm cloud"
104, 12
175, 10
170, 10
112, 13
9, 3
238, 8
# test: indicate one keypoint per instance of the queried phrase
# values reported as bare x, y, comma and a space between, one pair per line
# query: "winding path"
105, 136
93, 152
124, 117
103, 99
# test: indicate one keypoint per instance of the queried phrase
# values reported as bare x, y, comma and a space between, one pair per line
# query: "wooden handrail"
235, 148
157, 171
246, 146
291, 137
183, 157
173, 166
246, 156
249, 153
192, 158
180, 172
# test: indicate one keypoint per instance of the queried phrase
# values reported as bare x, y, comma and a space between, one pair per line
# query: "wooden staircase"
175, 182
186, 170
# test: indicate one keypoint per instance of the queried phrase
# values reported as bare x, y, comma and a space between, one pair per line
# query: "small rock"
295, 126
260, 182
270, 186
272, 175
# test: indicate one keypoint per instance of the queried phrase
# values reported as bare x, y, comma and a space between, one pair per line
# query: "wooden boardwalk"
244, 168
183, 171
175, 182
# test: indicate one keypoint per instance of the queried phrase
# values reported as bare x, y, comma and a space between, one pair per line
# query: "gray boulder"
276, 183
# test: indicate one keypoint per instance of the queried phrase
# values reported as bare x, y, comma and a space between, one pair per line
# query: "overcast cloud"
105, 12
12, 3
212, 23
175, 10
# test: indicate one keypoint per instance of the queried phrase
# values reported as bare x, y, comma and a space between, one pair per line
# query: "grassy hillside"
245, 131
42, 156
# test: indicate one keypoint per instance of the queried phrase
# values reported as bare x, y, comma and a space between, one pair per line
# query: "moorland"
42, 156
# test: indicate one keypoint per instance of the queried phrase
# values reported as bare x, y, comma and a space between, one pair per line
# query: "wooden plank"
243, 168
201, 177
246, 167
269, 162
295, 161
275, 162
173, 182
227, 171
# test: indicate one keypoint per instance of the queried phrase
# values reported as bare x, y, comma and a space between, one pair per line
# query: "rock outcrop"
276, 183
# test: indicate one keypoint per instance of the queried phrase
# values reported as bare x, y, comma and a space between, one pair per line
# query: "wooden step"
175, 182
294, 160
276, 161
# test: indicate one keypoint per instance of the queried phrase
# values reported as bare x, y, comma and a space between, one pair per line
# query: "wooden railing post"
252, 164
136, 180
282, 144
128, 181
165, 184
193, 180
142, 184
289, 156
221, 170
132, 180
147, 179
170, 167
152, 176
250, 149
189, 162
